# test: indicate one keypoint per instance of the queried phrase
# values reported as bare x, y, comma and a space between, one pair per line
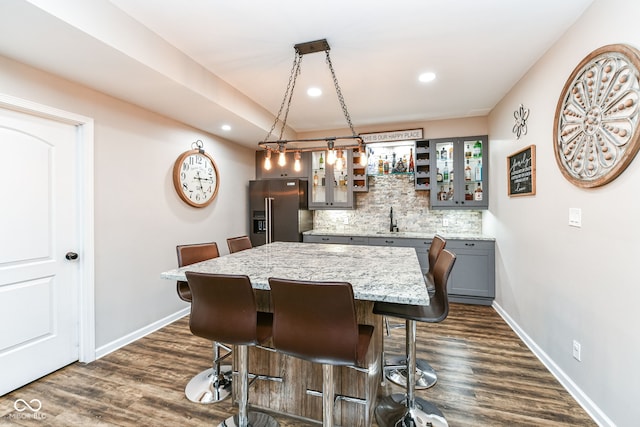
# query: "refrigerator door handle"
269, 219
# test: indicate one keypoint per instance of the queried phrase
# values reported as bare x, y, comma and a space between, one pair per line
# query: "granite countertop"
399, 234
377, 273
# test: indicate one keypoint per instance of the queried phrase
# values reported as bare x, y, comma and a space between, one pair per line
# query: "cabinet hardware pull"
469, 244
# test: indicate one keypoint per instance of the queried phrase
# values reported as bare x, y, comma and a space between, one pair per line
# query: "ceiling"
208, 62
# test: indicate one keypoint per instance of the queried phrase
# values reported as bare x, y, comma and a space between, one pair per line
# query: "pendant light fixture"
333, 144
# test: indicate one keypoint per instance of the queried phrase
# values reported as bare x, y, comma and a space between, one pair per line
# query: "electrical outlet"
577, 351
445, 222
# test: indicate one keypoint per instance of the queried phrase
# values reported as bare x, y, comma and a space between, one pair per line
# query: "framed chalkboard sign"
521, 172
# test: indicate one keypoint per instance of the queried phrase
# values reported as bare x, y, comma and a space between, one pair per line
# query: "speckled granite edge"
399, 234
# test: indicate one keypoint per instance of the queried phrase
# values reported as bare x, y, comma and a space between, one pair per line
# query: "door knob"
71, 256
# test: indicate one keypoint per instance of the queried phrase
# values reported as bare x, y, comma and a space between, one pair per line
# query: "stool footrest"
337, 397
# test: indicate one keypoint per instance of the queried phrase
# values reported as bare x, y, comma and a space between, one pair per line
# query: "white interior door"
39, 287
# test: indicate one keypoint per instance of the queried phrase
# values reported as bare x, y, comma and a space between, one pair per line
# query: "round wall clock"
195, 177
596, 123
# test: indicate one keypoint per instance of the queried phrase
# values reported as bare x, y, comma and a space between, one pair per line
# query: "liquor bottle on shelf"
467, 172
477, 195
442, 195
467, 151
450, 194
477, 149
445, 173
468, 195
478, 171
315, 179
385, 166
380, 166
321, 162
451, 175
438, 175
443, 154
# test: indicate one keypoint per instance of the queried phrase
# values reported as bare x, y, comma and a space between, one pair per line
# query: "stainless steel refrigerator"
279, 210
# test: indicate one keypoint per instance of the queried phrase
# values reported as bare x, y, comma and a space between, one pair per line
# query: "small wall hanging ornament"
521, 115
596, 123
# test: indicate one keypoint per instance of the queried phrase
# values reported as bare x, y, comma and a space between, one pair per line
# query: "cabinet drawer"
327, 239
464, 245
359, 240
391, 241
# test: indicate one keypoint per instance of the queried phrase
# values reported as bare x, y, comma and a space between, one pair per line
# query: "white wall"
139, 219
560, 283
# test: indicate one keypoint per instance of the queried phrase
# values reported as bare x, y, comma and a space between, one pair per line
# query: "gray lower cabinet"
472, 280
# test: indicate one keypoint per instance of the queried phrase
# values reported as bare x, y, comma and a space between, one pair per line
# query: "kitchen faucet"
392, 226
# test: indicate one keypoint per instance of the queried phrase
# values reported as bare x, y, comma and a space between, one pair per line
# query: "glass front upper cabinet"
330, 186
461, 172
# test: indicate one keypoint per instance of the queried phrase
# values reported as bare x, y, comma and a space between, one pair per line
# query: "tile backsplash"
411, 211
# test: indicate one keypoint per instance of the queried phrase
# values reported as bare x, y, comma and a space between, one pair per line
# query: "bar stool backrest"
223, 308
437, 245
439, 302
190, 254
315, 321
240, 243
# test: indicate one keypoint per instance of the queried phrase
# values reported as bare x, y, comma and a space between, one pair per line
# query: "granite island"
472, 281
377, 273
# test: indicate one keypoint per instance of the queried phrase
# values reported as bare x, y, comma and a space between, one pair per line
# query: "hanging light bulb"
339, 160
267, 160
331, 155
296, 165
282, 158
363, 156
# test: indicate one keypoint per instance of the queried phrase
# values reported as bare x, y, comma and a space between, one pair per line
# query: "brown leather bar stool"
407, 410
213, 384
224, 309
316, 321
240, 243
395, 368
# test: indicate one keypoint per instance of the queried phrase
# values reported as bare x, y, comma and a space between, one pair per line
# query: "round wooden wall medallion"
596, 124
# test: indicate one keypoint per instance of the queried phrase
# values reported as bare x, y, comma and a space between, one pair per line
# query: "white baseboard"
140, 333
583, 400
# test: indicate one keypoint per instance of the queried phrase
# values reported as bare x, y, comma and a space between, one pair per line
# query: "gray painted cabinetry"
472, 280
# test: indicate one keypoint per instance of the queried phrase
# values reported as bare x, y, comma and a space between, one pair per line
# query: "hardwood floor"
486, 376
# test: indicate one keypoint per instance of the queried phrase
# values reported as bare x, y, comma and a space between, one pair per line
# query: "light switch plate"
575, 217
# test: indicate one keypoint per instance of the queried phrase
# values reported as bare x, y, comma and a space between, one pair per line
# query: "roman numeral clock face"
195, 178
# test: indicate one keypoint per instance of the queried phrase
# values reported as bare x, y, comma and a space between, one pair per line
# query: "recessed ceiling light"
314, 91
225, 127
427, 77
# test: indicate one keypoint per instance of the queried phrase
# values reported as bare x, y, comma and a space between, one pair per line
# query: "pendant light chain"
354, 141
343, 105
288, 95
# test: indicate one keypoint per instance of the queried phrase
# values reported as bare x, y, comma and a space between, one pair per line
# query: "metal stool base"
392, 411
256, 419
205, 388
425, 375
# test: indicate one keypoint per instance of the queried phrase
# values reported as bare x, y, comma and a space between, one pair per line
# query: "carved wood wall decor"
596, 123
